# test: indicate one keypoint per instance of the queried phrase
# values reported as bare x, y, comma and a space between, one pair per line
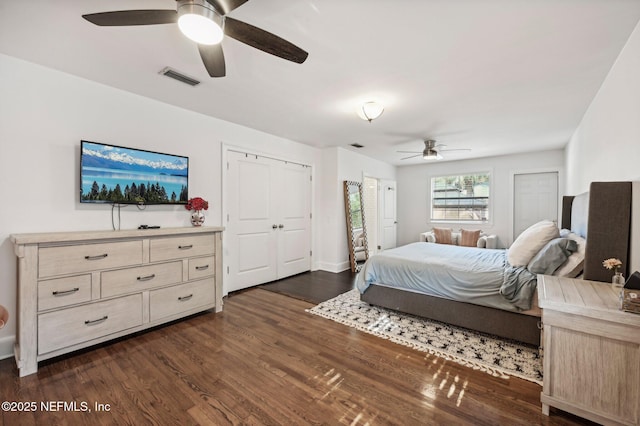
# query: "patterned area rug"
496, 356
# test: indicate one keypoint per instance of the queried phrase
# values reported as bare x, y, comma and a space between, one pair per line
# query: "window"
460, 198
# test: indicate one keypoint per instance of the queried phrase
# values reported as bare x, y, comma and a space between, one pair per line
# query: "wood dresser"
591, 351
76, 289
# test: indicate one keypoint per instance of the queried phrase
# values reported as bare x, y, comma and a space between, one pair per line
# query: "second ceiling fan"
431, 151
206, 18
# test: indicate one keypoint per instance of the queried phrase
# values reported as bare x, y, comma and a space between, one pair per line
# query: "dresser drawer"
71, 326
61, 260
63, 292
201, 267
173, 300
181, 247
130, 280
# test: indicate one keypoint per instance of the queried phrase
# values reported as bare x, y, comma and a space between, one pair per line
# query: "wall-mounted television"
119, 175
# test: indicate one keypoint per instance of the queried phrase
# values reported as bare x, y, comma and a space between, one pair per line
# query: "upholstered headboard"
603, 217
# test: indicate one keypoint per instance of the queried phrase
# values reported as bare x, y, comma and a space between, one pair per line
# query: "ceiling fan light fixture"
200, 22
431, 154
371, 110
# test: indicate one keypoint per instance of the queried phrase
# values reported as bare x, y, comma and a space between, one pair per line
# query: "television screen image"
119, 175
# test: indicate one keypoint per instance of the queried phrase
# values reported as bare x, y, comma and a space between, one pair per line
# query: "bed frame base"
510, 325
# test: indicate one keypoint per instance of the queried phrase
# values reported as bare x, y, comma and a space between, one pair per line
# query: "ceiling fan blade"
213, 59
409, 152
263, 40
132, 17
455, 149
225, 6
412, 156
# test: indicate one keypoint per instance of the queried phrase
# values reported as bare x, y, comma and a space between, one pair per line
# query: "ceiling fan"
431, 151
206, 22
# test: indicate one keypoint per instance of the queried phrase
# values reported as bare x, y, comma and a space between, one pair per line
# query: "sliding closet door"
268, 231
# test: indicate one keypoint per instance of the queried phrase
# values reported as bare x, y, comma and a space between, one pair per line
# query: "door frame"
224, 211
512, 177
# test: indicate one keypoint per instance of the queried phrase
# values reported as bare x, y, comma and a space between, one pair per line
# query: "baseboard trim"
334, 267
6, 346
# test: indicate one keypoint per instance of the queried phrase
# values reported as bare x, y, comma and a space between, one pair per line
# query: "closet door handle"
281, 226
274, 226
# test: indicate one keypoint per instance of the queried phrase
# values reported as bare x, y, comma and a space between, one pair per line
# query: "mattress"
464, 274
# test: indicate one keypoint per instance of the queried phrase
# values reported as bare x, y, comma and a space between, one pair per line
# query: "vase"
617, 281
197, 218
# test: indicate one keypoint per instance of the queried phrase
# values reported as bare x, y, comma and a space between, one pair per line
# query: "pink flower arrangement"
197, 204
612, 263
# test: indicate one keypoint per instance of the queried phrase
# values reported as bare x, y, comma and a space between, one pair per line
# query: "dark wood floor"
264, 360
314, 287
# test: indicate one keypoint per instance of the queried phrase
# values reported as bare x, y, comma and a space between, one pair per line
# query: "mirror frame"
355, 267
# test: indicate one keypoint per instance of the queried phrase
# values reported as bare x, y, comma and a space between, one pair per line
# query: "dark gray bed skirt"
511, 325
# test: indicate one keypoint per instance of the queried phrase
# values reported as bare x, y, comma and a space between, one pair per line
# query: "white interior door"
252, 254
370, 203
388, 218
268, 231
535, 198
293, 195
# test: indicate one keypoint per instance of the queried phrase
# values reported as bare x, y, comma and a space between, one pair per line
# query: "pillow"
552, 255
482, 242
531, 241
430, 237
469, 238
443, 235
572, 267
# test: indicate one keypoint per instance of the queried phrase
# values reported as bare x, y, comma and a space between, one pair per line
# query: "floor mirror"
356, 229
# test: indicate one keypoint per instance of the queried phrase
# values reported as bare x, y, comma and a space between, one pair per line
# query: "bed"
471, 297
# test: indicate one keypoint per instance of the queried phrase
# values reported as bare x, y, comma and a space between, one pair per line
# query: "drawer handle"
95, 321
63, 292
184, 298
185, 247
202, 268
98, 257
147, 278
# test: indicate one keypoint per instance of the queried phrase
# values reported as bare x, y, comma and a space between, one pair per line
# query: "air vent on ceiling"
169, 72
357, 145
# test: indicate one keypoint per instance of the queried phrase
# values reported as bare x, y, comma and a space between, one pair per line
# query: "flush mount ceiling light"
370, 111
200, 22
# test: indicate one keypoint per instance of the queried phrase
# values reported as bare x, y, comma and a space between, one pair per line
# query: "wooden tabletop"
59, 237
581, 297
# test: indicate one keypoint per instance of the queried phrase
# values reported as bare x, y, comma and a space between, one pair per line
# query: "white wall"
43, 116
340, 165
606, 144
414, 189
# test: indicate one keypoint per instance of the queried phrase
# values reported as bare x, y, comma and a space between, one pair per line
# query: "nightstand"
591, 351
